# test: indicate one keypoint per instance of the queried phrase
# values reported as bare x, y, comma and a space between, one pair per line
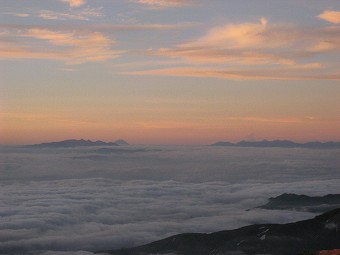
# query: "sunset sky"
169, 71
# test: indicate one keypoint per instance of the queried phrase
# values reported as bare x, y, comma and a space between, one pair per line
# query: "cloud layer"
73, 200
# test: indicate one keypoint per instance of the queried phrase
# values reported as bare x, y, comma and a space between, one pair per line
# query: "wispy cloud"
74, 3
71, 44
69, 47
253, 43
23, 15
146, 26
255, 74
280, 51
162, 4
330, 16
82, 14
287, 120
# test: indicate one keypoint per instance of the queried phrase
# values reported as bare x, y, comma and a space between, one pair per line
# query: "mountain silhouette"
75, 143
281, 144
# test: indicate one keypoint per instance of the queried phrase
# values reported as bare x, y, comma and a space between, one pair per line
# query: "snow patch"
239, 243
332, 226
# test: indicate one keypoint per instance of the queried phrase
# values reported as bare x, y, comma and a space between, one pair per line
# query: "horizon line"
170, 144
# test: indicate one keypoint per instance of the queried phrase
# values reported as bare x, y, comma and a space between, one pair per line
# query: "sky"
169, 71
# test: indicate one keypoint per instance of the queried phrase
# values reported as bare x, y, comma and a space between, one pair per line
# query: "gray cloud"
56, 202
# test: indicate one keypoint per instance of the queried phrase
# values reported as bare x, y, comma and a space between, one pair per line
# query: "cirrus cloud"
69, 47
254, 43
245, 74
279, 51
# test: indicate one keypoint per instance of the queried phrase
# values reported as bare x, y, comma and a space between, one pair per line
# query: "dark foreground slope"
319, 233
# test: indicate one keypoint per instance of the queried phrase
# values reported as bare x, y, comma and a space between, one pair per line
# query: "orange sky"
169, 71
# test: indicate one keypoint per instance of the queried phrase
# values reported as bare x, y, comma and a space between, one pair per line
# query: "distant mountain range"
77, 143
303, 237
303, 203
281, 144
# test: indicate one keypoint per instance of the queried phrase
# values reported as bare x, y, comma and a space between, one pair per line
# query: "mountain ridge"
281, 144
77, 143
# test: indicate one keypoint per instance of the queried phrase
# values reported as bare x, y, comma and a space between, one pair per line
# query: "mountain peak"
121, 142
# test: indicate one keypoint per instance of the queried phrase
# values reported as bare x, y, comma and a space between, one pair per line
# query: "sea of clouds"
80, 200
